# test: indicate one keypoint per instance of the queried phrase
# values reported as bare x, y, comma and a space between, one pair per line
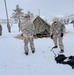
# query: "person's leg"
61, 44
55, 41
32, 44
26, 45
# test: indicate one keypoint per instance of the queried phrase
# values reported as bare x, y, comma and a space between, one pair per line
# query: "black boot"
61, 51
33, 51
26, 53
55, 47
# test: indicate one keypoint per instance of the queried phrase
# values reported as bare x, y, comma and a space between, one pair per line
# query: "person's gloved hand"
61, 34
22, 34
51, 36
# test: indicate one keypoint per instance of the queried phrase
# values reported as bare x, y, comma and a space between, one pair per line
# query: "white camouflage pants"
57, 39
27, 40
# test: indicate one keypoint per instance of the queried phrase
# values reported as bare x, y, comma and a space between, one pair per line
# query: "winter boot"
61, 51
26, 53
55, 47
33, 51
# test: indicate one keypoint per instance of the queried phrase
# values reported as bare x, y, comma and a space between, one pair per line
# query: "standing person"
0, 29
73, 23
56, 33
27, 27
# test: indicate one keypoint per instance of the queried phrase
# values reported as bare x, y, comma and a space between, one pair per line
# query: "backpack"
60, 58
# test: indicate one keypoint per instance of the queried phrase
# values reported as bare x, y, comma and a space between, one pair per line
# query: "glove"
61, 34
51, 36
22, 34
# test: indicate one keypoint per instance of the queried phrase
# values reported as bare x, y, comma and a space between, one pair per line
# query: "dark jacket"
62, 59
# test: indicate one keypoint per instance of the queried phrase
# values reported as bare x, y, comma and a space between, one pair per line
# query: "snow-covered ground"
13, 61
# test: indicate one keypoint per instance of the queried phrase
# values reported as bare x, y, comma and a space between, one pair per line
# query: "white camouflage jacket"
57, 29
27, 27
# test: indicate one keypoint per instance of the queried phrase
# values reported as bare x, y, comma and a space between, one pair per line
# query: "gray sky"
46, 7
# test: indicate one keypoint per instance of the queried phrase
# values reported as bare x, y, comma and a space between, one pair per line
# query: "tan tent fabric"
19, 36
40, 25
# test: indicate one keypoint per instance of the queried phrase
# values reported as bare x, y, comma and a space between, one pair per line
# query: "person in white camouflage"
0, 29
27, 27
57, 31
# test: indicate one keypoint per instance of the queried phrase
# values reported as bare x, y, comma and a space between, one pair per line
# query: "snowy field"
13, 61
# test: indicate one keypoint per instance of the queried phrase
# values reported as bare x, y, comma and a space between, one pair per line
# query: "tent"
42, 28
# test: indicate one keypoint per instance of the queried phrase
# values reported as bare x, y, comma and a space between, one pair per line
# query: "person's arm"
51, 32
63, 30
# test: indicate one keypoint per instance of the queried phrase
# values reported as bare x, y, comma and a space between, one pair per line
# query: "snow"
13, 61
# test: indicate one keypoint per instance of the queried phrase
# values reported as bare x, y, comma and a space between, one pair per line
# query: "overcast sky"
46, 7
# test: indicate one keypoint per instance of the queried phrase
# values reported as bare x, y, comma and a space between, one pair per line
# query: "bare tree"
8, 25
31, 15
17, 14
